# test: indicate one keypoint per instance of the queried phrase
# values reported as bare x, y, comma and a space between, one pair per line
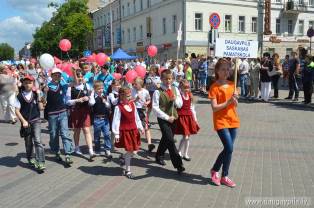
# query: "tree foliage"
6, 52
70, 21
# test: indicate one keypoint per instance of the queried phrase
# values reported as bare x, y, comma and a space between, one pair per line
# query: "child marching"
27, 108
142, 100
125, 126
224, 101
101, 110
186, 124
165, 101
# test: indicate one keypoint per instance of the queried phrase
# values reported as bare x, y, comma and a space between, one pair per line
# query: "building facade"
138, 23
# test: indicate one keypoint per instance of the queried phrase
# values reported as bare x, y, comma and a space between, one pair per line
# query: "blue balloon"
87, 53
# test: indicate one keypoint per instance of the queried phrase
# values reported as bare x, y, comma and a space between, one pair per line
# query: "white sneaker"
78, 151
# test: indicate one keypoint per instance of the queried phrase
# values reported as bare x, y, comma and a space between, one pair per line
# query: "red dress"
186, 124
130, 138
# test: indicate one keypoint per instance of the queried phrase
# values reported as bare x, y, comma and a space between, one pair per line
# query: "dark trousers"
293, 86
167, 143
34, 140
274, 80
227, 137
308, 91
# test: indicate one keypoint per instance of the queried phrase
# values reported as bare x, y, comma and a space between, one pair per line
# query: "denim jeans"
243, 84
58, 123
227, 137
102, 125
34, 140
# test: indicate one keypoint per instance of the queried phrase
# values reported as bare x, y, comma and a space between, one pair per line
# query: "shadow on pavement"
11, 144
101, 170
12, 162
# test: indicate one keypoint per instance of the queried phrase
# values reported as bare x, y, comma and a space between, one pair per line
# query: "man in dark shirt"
294, 68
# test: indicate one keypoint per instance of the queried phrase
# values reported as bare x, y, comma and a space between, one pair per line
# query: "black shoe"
186, 158
68, 160
58, 157
13, 122
295, 99
151, 147
180, 170
288, 98
160, 161
91, 157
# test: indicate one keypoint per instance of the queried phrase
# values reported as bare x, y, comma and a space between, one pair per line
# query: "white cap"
56, 70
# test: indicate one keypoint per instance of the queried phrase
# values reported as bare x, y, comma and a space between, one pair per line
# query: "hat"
56, 70
28, 77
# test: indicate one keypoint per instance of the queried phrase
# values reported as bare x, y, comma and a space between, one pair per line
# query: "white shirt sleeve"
159, 113
138, 121
17, 104
178, 102
112, 99
68, 100
107, 103
91, 100
193, 111
116, 122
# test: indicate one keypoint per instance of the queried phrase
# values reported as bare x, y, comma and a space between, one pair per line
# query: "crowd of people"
91, 96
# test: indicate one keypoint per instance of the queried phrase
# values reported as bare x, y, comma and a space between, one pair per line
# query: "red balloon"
117, 76
130, 76
160, 70
67, 68
101, 59
65, 45
141, 71
152, 50
59, 66
57, 60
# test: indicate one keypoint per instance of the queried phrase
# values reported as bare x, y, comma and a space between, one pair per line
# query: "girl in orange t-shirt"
224, 101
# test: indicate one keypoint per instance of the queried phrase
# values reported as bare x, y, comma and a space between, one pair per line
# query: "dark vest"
127, 121
29, 108
76, 94
99, 108
55, 101
166, 105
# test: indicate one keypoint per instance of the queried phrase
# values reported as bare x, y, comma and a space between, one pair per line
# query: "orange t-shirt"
227, 117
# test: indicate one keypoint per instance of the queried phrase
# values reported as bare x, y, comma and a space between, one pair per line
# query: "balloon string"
68, 56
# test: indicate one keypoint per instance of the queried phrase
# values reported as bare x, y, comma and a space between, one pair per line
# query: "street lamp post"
310, 34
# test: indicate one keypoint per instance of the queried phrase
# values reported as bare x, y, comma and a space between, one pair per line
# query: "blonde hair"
98, 84
139, 80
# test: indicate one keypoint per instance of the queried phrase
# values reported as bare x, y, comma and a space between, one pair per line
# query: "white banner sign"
236, 48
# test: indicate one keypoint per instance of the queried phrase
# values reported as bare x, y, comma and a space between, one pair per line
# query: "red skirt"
130, 140
80, 117
186, 125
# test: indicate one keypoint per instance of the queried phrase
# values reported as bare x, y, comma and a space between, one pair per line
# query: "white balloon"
46, 61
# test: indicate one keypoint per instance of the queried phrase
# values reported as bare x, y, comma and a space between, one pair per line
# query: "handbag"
27, 131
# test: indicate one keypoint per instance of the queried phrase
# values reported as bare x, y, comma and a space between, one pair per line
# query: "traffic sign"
214, 20
310, 32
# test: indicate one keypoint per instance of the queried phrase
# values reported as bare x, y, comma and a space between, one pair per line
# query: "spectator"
285, 67
244, 77
255, 77
265, 78
275, 78
307, 79
294, 68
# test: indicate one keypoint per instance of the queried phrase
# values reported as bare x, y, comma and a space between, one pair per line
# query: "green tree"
70, 21
6, 52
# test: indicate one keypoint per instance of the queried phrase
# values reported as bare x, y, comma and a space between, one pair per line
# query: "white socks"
184, 147
127, 159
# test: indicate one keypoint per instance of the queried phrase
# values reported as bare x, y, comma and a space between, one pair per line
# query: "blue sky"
20, 18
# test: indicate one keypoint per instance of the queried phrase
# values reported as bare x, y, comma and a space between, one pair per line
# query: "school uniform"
186, 123
80, 112
125, 125
164, 108
100, 113
27, 102
144, 97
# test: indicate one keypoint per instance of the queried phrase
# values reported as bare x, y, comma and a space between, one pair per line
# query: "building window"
278, 26
311, 2
128, 9
198, 21
301, 27
141, 5
241, 24
164, 26
129, 35
289, 51
134, 6
228, 23
148, 3
311, 24
123, 14
278, 1
174, 23
112, 12
123, 38
134, 34
141, 32
254, 25
117, 12
301, 2
290, 28
113, 40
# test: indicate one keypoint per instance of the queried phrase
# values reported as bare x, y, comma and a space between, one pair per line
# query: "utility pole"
111, 33
260, 29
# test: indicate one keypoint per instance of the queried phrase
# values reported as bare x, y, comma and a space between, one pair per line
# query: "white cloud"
19, 29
